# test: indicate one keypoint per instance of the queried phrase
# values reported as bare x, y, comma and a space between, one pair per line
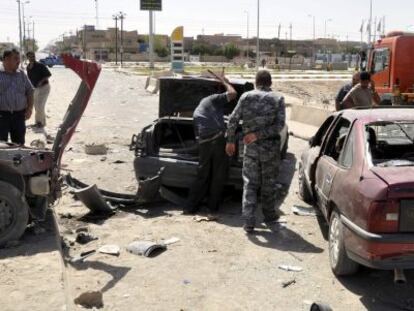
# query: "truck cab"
392, 67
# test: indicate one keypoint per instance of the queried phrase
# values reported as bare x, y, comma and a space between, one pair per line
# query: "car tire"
14, 213
304, 192
341, 264
283, 152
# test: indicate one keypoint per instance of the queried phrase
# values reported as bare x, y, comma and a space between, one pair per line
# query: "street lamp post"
325, 35
314, 36
258, 36
97, 15
20, 27
24, 27
115, 18
247, 33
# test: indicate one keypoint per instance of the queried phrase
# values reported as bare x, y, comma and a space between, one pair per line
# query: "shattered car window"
390, 144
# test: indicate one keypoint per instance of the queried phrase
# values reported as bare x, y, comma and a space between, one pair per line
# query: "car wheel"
341, 264
14, 213
304, 192
284, 150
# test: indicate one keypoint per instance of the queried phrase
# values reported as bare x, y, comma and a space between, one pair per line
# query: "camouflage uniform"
263, 113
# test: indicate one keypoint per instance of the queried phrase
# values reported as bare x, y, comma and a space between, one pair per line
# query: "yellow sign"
178, 34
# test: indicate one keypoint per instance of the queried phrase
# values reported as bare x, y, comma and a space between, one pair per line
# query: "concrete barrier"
152, 85
309, 115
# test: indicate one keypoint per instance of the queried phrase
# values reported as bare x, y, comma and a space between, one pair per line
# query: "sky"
53, 18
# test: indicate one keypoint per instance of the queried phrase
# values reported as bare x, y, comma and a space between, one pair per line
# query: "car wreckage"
30, 179
169, 144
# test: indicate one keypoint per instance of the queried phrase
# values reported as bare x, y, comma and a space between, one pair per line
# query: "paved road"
215, 266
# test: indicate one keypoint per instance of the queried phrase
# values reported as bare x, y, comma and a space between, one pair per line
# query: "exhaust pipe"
399, 277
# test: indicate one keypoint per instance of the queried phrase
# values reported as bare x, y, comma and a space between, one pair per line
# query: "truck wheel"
341, 264
304, 192
14, 213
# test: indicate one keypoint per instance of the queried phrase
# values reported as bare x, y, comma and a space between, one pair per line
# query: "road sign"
151, 5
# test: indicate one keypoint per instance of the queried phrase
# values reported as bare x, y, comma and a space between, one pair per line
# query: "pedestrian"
345, 90
39, 76
213, 163
363, 94
16, 98
263, 115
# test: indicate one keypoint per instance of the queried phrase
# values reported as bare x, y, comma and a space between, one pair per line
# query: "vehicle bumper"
380, 251
178, 173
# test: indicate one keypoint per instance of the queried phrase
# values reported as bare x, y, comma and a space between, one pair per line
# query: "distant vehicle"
51, 61
391, 64
170, 142
359, 171
30, 180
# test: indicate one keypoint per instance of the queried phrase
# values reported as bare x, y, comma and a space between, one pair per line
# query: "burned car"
359, 171
30, 180
170, 142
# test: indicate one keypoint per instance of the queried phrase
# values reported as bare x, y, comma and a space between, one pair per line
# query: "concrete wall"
309, 115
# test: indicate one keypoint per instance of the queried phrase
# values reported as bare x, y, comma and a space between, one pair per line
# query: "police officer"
263, 115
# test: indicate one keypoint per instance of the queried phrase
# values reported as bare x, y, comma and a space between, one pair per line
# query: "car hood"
89, 73
182, 95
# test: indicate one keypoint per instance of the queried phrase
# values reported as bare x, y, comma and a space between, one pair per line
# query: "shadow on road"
378, 291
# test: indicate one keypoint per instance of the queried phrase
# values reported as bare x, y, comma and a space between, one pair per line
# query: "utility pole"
24, 27
290, 30
151, 39
247, 34
97, 15
115, 18
370, 23
279, 28
20, 29
375, 29
33, 36
122, 17
258, 36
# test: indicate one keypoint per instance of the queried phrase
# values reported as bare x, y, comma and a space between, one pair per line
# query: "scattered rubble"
288, 283
85, 237
82, 256
290, 268
146, 248
96, 149
90, 300
304, 211
114, 250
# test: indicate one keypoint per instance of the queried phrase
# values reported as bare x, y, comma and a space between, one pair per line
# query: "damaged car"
170, 142
359, 171
30, 180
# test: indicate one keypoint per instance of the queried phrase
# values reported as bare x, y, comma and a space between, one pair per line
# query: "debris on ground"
295, 256
85, 237
170, 241
90, 299
82, 256
38, 144
118, 162
96, 149
288, 283
319, 306
93, 200
146, 248
304, 211
205, 218
114, 250
290, 268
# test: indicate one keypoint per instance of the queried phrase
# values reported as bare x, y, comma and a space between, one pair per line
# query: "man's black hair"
30, 53
9, 52
365, 76
263, 79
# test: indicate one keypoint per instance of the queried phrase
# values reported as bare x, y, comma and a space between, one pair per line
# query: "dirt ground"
213, 266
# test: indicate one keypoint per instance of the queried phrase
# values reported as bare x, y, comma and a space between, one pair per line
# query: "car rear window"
391, 143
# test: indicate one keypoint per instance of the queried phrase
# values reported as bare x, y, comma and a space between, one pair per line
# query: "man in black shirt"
39, 76
212, 168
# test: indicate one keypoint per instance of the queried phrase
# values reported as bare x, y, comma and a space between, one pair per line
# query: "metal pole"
115, 17
258, 36
247, 35
20, 29
370, 22
278, 30
122, 17
151, 40
24, 28
97, 15
33, 37
375, 30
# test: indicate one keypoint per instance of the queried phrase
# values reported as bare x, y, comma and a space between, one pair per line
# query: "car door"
327, 165
309, 158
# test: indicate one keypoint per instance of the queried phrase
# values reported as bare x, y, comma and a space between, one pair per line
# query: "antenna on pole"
97, 14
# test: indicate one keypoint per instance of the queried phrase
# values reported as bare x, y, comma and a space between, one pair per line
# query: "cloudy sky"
56, 17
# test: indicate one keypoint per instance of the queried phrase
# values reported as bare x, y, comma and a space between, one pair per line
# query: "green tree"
231, 51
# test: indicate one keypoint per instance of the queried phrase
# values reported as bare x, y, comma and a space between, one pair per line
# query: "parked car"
51, 61
30, 178
359, 171
170, 143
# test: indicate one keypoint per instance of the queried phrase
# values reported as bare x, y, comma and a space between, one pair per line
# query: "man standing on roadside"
363, 94
212, 168
345, 90
39, 76
263, 115
16, 98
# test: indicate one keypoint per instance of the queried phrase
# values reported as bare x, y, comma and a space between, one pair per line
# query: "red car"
359, 171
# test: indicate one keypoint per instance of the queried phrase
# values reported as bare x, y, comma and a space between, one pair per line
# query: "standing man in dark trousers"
263, 114
39, 76
16, 98
213, 162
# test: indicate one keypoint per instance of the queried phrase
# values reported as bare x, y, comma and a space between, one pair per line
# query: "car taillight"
383, 216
